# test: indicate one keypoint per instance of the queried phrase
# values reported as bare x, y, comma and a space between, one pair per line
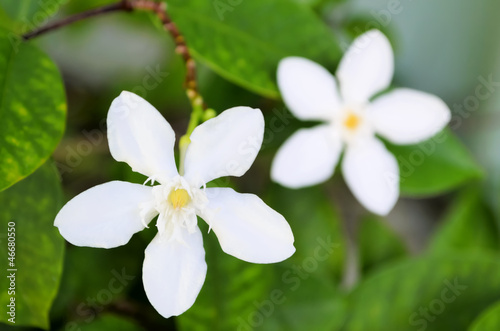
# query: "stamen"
352, 121
179, 198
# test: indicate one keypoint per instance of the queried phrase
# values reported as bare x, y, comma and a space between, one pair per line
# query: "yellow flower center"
352, 121
179, 198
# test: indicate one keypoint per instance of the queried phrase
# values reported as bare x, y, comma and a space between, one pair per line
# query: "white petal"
140, 136
372, 174
308, 89
174, 272
307, 158
106, 215
247, 228
225, 145
406, 116
366, 68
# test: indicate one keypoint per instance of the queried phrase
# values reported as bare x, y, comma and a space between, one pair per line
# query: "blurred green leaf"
32, 204
355, 24
435, 166
433, 293
93, 278
32, 109
211, 86
378, 244
489, 320
5, 21
307, 281
307, 302
316, 225
233, 290
109, 322
31, 13
75, 7
243, 41
468, 225
310, 3
240, 296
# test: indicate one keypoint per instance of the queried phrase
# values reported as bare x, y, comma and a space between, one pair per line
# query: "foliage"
38, 250
32, 107
453, 282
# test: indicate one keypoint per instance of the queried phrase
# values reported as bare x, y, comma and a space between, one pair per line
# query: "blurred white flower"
174, 266
402, 116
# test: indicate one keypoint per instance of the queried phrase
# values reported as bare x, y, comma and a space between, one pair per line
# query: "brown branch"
123, 5
159, 8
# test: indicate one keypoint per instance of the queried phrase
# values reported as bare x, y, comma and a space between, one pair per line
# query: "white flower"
174, 266
402, 116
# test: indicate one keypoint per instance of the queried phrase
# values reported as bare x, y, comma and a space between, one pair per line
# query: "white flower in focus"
351, 121
174, 266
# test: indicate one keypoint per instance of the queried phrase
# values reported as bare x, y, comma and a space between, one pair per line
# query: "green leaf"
108, 322
32, 109
240, 295
308, 281
315, 223
85, 290
489, 320
435, 166
32, 13
233, 289
307, 302
243, 41
32, 205
6, 22
468, 225
378, 244
433, 293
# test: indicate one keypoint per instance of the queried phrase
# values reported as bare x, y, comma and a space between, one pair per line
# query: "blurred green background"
379, 274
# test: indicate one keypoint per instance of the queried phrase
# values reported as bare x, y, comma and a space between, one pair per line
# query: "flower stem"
199, 115
185, 140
